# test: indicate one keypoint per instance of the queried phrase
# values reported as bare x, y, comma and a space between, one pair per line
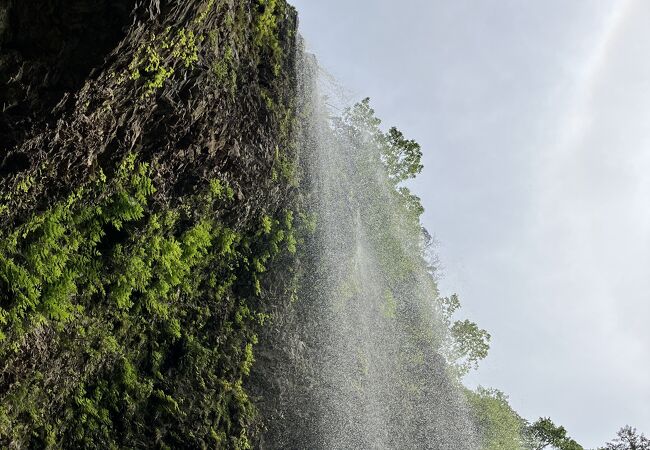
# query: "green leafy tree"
401, 156
499, 425
628, 438
466, 344
544, 433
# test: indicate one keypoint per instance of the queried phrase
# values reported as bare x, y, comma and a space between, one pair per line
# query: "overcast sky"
534, 118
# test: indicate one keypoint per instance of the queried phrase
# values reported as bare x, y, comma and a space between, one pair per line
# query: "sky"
534, 120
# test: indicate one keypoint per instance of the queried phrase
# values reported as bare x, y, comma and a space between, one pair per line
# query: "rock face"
49, 50
147, 202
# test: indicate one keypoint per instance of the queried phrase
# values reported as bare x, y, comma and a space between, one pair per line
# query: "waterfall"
362, 364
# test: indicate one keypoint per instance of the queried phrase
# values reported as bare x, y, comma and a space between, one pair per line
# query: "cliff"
148, 216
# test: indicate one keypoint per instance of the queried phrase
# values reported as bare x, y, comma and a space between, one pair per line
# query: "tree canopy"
628, 438
544, 433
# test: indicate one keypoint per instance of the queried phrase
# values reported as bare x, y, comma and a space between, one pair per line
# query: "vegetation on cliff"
147, 185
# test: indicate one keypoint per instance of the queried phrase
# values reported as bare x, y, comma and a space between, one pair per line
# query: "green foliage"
396, 232
502, 428
284, 168
155, 301
184, 46
376, 152
204, 12
401, 156
470, 344
25, 184
42, 262
628, 438
499, 425
267, 224
156, 72
267, 28
224, 69
155, 62
465, 343
221, 191
544, 433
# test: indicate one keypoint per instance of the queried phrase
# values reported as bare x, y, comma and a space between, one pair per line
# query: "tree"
466, 344
500, 427
628, 439
401, 156
544, 433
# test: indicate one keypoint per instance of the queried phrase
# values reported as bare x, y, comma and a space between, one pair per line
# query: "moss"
224, 69
266, 31
154, 71
205, 11
248, 359
284, 168
156, 62
25, 184
184, 47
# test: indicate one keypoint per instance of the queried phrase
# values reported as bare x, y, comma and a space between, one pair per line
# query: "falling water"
361, 365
